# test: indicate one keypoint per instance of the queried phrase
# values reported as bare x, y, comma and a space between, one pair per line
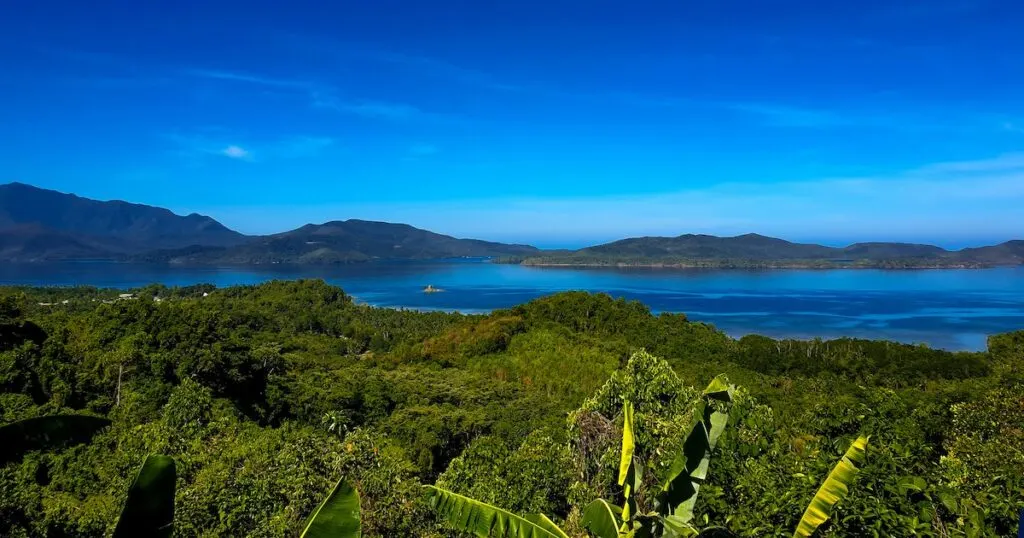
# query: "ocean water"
944, 308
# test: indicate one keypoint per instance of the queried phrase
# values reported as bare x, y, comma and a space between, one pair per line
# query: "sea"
952, 309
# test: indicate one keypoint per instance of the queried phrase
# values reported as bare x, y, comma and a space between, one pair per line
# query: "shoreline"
767, 266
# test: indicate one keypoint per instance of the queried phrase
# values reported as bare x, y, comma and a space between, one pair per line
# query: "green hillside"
266, 395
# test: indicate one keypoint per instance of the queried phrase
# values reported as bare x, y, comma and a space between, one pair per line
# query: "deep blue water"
952, 309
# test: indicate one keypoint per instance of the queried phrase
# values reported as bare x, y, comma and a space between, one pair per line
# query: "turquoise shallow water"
953, 309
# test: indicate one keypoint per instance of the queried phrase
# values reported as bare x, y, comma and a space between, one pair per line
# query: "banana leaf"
600, 519
19, 438
547, 524
835, 488
682, 480
720, 389
149, 509
630, 471
337, 516
484, 520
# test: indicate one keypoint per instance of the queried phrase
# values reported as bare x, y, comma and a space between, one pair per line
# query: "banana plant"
674, 501
337, 516
41, 433
834, 489
149, 508
485, 520
673, 504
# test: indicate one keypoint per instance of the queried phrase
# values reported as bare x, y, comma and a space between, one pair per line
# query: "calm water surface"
953, 309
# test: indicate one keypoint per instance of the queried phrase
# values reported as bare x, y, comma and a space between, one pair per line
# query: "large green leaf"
716, 422
719, 389
149, 509
675, 527
484, 520
628, 442
833, 490
629, 471
337, 516
599, 518
681, 482
19, 438
547, 524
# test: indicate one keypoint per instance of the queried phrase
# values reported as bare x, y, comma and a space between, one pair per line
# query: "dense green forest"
266, 395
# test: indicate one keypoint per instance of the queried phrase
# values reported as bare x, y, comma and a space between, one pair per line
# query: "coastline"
716, 264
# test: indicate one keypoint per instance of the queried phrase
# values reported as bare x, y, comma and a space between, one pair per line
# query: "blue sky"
556, 122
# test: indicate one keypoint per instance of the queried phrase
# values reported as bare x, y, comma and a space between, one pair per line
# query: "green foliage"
532, 478
671, 510
985, 442
263, 393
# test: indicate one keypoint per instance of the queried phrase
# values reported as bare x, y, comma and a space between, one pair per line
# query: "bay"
944, 308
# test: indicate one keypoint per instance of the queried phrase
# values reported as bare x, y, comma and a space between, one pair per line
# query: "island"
754, 251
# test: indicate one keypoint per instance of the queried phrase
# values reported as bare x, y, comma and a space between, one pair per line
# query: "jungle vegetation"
265, 396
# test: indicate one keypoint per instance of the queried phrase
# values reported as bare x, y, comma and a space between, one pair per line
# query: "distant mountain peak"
99, 229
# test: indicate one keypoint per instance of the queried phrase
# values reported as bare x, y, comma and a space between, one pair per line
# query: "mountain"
1003, 253
29, 242
753, 250
38, 224
349, 241
749, 246
876, 251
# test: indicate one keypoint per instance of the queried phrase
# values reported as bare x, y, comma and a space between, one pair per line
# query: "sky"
555, 122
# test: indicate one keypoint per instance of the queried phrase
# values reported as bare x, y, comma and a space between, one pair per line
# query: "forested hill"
40, 225
266, 395
44, 224
346, 241
758, 250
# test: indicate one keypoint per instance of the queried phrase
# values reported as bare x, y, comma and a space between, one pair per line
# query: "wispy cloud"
197, 147
324, 96
377, 109
247, 78
771, 114
236, 152
906, 120
441, 69
1013, 127
396, 112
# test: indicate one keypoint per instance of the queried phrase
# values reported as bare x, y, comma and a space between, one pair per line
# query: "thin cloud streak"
197, 147
250, 79
323, 96
770, 114
442, 69
395, 112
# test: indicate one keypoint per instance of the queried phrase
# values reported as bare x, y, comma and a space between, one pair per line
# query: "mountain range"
44, 225
41, 225
753, 250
